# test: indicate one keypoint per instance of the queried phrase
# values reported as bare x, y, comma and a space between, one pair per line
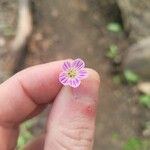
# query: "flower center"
72, 73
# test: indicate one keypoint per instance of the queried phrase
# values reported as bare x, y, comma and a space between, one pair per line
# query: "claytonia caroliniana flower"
73, 72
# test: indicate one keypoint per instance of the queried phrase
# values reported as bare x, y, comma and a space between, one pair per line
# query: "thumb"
71, 122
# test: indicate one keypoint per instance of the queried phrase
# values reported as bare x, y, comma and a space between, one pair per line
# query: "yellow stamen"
72, 73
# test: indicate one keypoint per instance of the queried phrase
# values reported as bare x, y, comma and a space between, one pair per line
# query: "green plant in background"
145, 100
25, 134
133, 144
114, 27
112, 52
137, 144
131, 77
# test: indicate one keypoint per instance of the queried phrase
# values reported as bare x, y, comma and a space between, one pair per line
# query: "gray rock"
138, 58
8, 21
144, 87
136, 17
146, 133
12, 52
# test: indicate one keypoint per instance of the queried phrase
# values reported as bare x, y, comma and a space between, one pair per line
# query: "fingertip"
93, 75
89, 87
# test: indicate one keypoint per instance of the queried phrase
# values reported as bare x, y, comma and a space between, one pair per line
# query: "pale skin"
71, 121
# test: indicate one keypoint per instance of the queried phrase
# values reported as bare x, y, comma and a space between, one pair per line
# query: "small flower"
73, 72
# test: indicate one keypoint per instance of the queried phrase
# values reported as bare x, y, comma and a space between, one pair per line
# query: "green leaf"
145, 100
114, 27
112, 51
21, 141
131, 77
137, 144
25, 134
28, 124
133, 144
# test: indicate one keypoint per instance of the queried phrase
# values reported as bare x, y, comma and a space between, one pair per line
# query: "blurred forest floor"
73, 29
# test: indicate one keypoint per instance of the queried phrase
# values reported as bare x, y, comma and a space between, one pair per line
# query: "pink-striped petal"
74, 82
63, 78
66, 66
78, 64
82, 74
